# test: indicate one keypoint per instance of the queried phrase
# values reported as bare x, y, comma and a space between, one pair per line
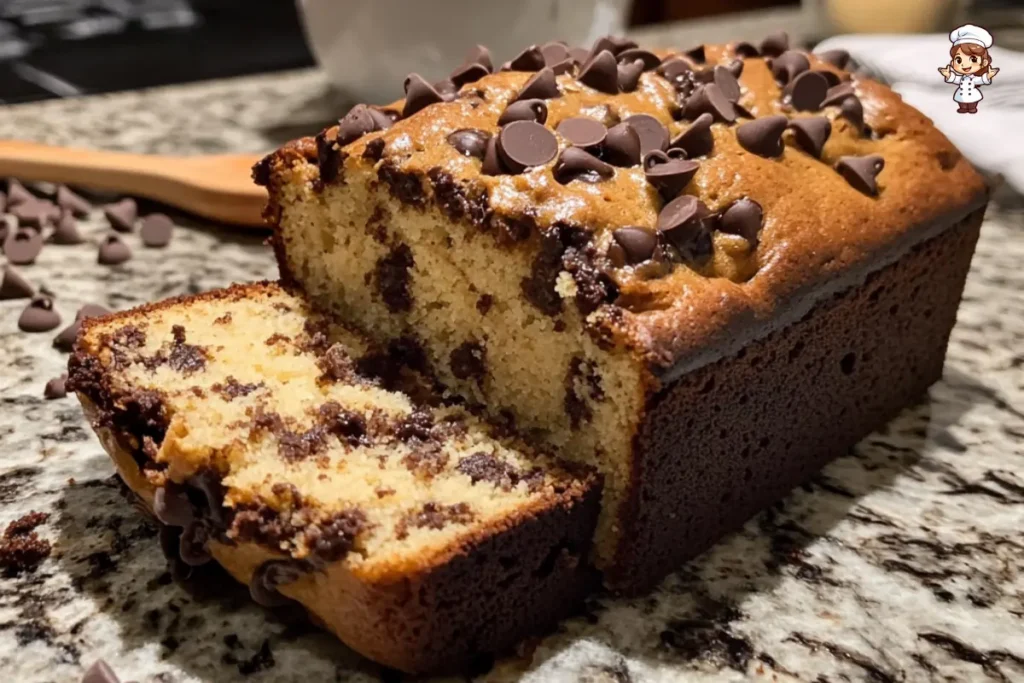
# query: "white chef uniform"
968, 91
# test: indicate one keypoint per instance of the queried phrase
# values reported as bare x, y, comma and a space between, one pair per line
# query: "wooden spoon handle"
98, 169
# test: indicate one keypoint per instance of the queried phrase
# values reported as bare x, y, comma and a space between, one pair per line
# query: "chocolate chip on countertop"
91, 311
811, 133
682, 223
789, 65
67, 231
837, 58
523, 144
524, 110
582, 131
418, 94
73, 202
860, 172
23, 246
33, 214
172, 506
745, 49
696, 54
808, 91
14, 285
56, 388
637, 244
469, 142
100, 672
709, 99
17, 194
742, 217
113, 251
696, 140
670, 173
650, 60
622, 146
763, 136
601, 73
541, 86
629, 75
468, 73
192, 547
727, 83
39, 316
273, 573
775, 44
576, 163
156, 230
122, 215
653, 135
65, 340
479, 54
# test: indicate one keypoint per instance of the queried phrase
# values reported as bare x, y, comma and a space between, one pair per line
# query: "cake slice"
275, 442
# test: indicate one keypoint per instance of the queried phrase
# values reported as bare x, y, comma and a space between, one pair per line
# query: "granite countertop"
902, 561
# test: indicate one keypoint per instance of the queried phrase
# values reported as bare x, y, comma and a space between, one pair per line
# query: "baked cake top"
709, 186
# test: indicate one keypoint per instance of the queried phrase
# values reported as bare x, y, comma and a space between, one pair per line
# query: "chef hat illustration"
969, 33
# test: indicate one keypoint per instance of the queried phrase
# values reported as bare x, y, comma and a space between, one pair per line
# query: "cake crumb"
21, 549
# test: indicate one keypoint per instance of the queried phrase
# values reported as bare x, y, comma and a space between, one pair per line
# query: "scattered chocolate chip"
91, 311
479, 54
39, 316
468, 73
492, 160
830, 77
629, 75
852, 110
122, 215
637, 244
811, 133
762, 136
32, 214
23, 246
601, 73
113, 251
56, 388
470, 142
745, 49
696, 54
541, 86
653, 135
789, 65
268, 576
523, 144
418, 94
837, 58
14, 285
677, 71
775, 44
836, 94
650, 60
156, 230
66, 231
743, 218
860, 172
100, 672
8, 224
172, 506
65, 340
582, 131
808, 91
75, 203
682, 222
696, 140
622, 146
555, 52
17, 194
669, 173
709, 99
524, 110
727, 83
576, 163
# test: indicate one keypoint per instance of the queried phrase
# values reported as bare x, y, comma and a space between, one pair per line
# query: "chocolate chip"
637, 244
100, 672
273, 573
762, 136
682, 222
328, 157
91, 311
523, 144
613, 44
355, 124
836, 94
192, 548
789, 65
446, 89
808, 91
113, 251
8, 224
743, 218
56, 388
629, 75
65, 340
830, 77
580, 55
32, 214
122, 215
468, 73
555, 52
17, 194
66, 231
811, 133
677, 71
696, 54
745, 49
14, 285
470, 142
563, 67
39, 316
727, 83
601, 73
696, 140
418, 94
669, 173
492, 160
775, 44
735, 67
23, 246
172, 506
853, 110
650, 60
709, 99
704, 74
69, 200
837, 58
576, 163
653, 135
582, 131
530, 59
524, 110
541, 86
860, 172
157, 229
622, 145
479, 54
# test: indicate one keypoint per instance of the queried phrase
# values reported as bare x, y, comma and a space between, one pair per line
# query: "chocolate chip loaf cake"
265, 437
702, 272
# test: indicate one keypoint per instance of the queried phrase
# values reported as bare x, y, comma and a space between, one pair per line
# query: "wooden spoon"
216, 187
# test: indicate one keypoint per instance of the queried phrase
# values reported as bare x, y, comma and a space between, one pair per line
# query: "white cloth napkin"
993, 139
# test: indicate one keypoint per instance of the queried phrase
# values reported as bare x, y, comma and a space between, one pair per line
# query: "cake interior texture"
278, 442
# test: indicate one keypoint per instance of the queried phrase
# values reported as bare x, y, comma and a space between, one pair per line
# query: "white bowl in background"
368, 48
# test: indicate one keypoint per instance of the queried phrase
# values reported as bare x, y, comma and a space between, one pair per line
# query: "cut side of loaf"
275, 441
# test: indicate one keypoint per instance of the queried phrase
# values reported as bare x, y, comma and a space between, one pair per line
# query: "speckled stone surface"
903, 561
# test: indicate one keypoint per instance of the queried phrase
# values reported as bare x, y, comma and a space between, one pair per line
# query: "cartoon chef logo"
970, 66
